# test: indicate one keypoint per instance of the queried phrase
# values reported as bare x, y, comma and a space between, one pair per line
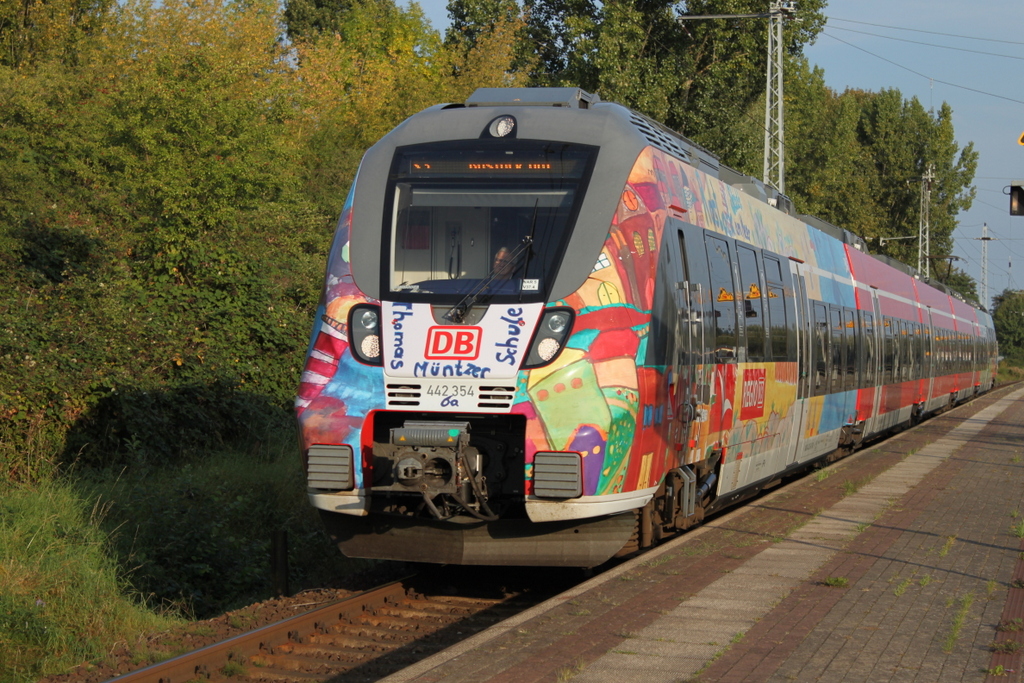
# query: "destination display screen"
524, 159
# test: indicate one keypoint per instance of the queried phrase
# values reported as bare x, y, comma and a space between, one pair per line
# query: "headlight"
501, 127
364, 333
369, 319
553, 331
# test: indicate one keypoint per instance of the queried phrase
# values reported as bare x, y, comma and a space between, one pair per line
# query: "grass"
851, 486
997, 670
1012, 626
233, 668
1018, 529
63, 599
947, 546
990, 589
902, 587
1006, 647
566, 673
822, 474
958, 622
924, 580
836, 582
77, 552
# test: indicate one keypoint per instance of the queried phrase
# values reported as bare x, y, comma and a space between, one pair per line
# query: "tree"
956, 279
384, 65
304, 19
32, 31
1008, 317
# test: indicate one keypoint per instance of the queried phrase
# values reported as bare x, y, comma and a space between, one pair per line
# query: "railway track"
360, 638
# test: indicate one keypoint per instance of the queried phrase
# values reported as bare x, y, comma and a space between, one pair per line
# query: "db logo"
752, 404
455, 343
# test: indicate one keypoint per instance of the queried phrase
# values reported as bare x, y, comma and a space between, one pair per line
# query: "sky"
967, 54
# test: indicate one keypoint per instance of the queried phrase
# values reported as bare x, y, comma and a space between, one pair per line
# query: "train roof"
585, 119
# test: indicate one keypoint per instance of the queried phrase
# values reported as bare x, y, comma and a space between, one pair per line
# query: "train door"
726, 335
692, 392
804, 328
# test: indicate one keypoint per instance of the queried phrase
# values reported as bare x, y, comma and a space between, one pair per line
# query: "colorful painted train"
553, 330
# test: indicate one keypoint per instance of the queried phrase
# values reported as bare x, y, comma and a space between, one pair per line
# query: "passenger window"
753, 303
889, 353
772, 270
838, 349
778, 350
868, 329
850, 332
821, 350
723, 296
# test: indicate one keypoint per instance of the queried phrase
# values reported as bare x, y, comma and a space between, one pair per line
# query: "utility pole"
923, 226
774, 128
774, 139
985, 239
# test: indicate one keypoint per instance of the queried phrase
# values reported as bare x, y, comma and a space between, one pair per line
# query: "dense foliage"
166, 205
1008, 317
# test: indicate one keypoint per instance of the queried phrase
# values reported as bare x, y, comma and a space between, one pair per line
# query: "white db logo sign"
453, 343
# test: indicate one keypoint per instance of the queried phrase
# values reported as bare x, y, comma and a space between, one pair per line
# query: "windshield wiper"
458, 312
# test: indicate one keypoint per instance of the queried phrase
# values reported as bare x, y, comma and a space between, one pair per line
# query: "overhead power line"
918, 73
918, 42
934, 33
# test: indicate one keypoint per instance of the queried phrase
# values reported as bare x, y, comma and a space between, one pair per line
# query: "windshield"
482, 218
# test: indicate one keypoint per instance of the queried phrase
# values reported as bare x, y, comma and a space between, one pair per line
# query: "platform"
904, 562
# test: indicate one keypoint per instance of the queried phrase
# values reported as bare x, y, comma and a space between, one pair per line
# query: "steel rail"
205, 661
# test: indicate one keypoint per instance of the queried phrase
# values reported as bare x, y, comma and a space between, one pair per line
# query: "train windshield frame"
488, 219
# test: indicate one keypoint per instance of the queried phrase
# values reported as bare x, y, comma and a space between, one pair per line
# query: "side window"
850, 325
906, 356
889, 351
820, 350
920, 341
868, 329
897, 358
838, 348
723, 297
753, 303
777, 318
778, 347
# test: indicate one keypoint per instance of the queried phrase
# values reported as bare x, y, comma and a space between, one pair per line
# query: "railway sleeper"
293, 663
432, 606
420, 614
376, 632
392, 622
336, 642
269, 674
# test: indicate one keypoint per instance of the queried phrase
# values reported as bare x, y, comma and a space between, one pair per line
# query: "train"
554, 331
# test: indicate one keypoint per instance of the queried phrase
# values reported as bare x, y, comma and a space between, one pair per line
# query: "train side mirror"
1017, 198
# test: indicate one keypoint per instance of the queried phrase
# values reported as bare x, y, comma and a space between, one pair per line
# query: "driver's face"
502, 262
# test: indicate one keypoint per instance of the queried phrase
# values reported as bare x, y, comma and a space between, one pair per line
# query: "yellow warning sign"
1020, 140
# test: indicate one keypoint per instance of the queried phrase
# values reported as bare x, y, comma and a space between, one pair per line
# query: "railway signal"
1017, 197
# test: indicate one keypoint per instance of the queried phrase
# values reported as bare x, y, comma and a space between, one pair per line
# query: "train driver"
503, 265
